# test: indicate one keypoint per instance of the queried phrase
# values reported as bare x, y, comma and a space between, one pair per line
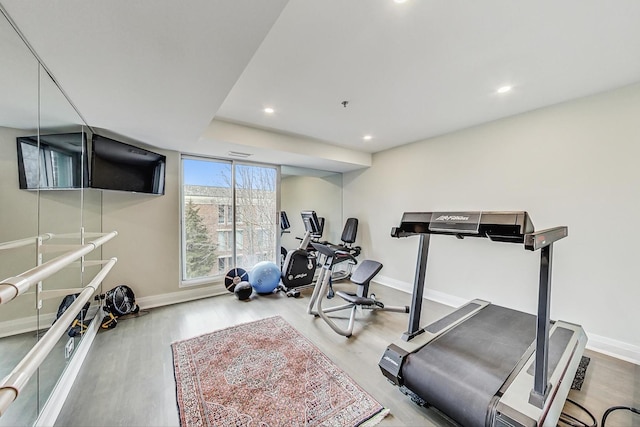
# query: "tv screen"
119, 166
58, 162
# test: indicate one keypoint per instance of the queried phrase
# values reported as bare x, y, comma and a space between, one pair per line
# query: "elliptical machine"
299, 265
360, 299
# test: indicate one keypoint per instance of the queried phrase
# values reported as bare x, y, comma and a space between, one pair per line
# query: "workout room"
288, 212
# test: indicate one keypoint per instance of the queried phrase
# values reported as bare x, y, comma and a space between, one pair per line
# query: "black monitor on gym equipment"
284, 222
311, 222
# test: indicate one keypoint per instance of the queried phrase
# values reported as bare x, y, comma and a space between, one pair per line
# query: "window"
221, 214
256, 198
224, 264
213, 190
225, 214
263, 237
224, 240
238, 215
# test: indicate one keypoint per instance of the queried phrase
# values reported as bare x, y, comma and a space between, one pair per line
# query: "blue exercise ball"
264, 277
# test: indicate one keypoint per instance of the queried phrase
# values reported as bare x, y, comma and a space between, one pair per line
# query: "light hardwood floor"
128, 377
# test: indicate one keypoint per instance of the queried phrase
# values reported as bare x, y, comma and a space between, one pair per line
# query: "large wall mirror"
311, 189
47, 209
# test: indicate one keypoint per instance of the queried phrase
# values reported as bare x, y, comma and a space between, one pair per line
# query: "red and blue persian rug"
265, 373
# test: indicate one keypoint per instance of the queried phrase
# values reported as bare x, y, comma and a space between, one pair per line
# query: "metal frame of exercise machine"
348, 239
493, 380
362, 277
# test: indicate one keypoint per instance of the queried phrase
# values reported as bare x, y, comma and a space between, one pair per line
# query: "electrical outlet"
68, 348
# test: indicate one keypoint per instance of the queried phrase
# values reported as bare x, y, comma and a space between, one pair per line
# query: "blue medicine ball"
264, 277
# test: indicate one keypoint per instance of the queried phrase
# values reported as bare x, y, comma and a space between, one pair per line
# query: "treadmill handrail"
543, 238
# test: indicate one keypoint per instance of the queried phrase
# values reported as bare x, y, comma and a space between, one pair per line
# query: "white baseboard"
430, 294
610, 347
25, 324
182, 296
618, 349
53, 406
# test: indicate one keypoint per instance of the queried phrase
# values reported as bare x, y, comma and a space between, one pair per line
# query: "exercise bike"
347, 251
299, 266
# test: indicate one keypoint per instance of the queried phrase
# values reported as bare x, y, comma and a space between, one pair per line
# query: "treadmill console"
498, 226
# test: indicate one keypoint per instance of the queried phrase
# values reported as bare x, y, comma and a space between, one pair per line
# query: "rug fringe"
377, 418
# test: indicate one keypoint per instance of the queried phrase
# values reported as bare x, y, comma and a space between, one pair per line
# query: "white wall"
147, 245
148, 242
322, 194
573, 164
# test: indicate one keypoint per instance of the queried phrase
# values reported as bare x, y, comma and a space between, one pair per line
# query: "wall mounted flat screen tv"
119, 166
59, 162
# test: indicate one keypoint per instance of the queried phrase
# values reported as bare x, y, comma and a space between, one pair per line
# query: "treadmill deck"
460, 371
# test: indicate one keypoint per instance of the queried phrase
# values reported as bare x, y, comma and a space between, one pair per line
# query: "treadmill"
486, 365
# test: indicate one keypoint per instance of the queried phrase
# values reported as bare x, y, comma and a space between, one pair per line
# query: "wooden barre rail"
13, 383
12, 287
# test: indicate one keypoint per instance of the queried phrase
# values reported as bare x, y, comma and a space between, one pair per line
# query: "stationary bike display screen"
311, 221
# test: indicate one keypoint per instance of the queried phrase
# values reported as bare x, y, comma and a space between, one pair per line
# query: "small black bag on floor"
119, 301
79, 325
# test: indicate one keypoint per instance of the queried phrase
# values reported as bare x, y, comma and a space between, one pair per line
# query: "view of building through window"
214, 192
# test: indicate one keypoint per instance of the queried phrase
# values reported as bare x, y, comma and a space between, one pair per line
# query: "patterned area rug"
265, 373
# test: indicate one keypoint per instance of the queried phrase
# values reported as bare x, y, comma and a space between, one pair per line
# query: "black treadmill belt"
460, 371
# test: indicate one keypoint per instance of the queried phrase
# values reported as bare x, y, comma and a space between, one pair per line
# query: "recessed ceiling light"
400, 1
367, 137
269, 110
504, 89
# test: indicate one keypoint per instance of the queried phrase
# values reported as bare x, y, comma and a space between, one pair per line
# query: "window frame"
233, 246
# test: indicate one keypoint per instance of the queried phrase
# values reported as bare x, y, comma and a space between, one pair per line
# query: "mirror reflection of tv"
123, 167
59, 162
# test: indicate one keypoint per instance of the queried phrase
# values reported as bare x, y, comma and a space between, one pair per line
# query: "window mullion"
234, 253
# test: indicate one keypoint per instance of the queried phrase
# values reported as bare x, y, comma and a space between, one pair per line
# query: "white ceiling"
160, 71
152, 70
